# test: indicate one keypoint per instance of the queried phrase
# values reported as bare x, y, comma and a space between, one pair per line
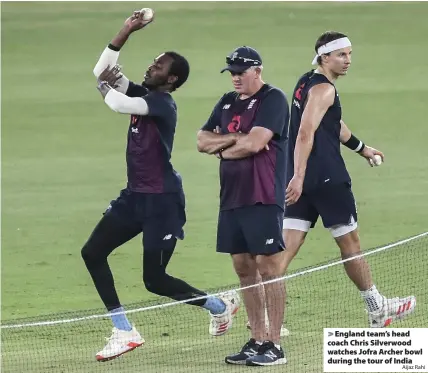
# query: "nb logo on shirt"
134, 130
227, 106
296, 103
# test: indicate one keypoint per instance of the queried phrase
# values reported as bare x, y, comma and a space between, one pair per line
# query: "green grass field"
63, 162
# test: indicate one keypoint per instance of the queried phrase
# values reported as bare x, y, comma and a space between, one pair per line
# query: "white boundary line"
149, 308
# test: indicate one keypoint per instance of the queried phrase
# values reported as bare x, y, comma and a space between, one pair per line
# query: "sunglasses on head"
241, 60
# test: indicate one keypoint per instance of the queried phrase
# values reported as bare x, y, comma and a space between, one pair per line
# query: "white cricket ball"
148, 14
377, 160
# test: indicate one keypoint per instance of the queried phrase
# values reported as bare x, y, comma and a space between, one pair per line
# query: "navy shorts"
256, 230
334, 203
161, 217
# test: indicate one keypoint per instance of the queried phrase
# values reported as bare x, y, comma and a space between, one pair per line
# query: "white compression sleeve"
109, 57
123, 104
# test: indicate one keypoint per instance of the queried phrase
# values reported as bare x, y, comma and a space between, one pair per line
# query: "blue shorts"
255, 229
334, 203
161, 217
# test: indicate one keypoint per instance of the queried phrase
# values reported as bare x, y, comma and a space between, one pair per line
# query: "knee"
266, 272
272, 266
151, 286
246, 268
90, 256
349, 244
154, 282
293, 242
86, 254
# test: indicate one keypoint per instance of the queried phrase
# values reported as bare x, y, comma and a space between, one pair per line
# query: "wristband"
354, 144
113, 48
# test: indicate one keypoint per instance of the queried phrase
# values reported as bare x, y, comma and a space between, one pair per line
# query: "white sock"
373, 299
259, 343
278, 347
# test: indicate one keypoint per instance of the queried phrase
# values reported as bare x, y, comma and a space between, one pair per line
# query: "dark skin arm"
110, 76
133, 23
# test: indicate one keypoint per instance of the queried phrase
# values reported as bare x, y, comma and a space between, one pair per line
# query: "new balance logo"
269, 241
167, 237
271, 355
296, 103
227, 106
134, 130
250, 352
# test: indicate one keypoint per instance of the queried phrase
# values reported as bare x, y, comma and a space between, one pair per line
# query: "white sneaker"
283, 333
221, 323
120, 342
392, 309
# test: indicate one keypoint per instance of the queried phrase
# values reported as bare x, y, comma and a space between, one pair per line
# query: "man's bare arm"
351, 142
211, 142
345, 132
320, 98
248, 145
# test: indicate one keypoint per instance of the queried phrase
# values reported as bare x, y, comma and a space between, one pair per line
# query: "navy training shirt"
325, 163
150, 143
259, 178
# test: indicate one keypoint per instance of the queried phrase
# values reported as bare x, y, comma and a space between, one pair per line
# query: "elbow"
256, 148
96, 71
114, 102
201, 143
113, 106
200, 147
305, 136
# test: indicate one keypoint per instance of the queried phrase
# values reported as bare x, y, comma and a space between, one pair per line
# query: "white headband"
330, 47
